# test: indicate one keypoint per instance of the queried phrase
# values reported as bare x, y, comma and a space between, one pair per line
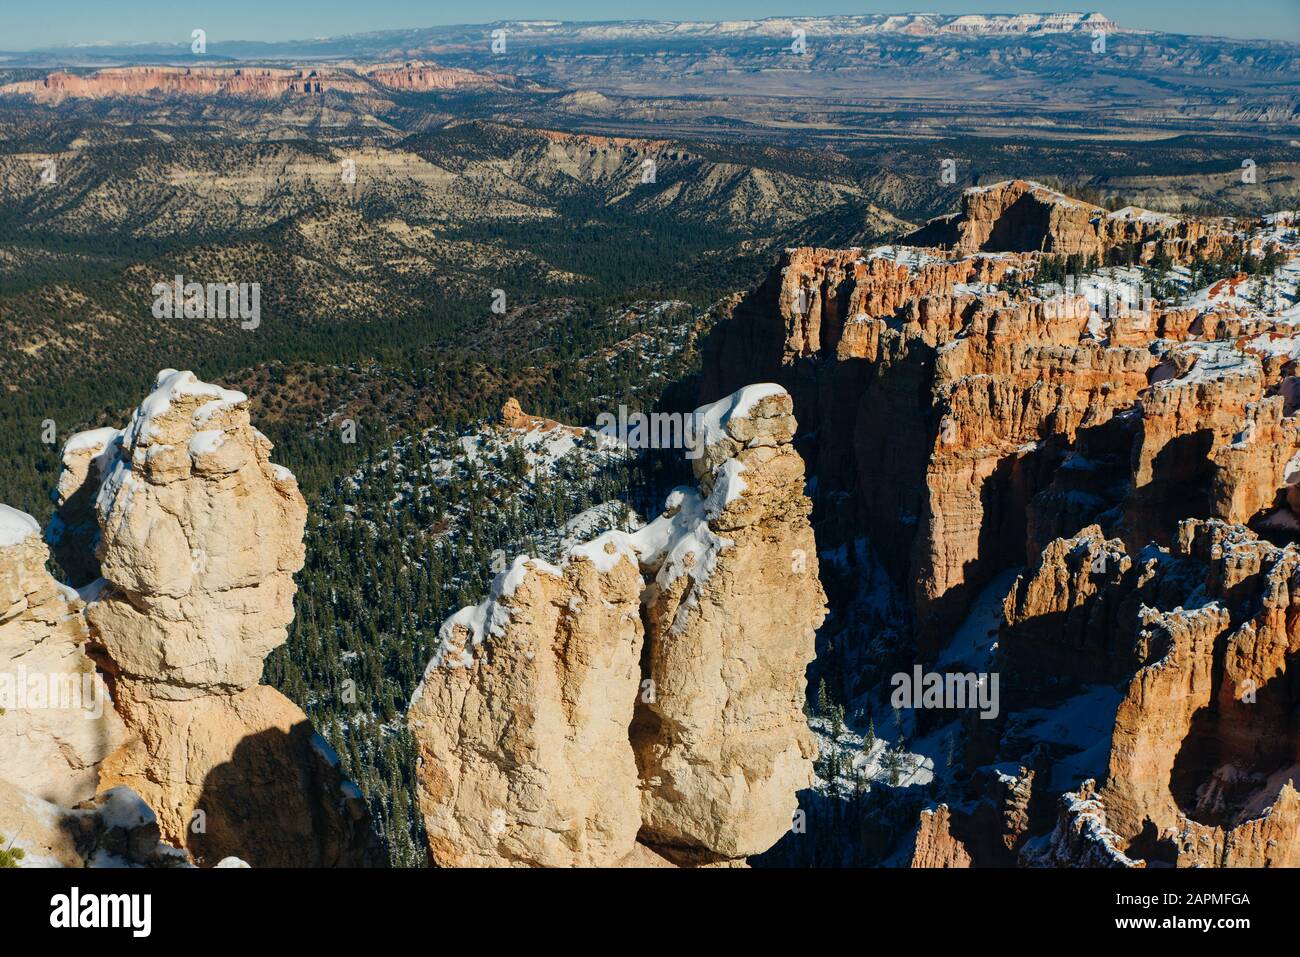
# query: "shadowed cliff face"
944, 404
968, 421
306, 814
942, 410
1201, 636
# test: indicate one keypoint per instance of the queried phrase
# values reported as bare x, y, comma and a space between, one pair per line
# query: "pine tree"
890, 764
869, 739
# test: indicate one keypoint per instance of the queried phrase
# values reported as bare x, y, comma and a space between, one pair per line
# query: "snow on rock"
92, 440
708, 588
196, 538
122, 807
113, 829
16, 526
488, 618
678, 542
713, 419
1138, 214
206, 442
727, 487
169, 387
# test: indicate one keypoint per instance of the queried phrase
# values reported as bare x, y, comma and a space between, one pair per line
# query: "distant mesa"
251, 82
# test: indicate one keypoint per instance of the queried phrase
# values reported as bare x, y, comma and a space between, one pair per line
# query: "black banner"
138, 907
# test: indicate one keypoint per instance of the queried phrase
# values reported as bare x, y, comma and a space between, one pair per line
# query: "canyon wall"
1200, 635
968, 421
943, 397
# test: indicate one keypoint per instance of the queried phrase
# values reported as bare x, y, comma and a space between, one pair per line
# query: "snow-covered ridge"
714, 418
907, 24
679, 542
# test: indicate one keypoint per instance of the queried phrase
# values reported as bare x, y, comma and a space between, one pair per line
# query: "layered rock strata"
1024, 216
248, 82
967, 419
944, 396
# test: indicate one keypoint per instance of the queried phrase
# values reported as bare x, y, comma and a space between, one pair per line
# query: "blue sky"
27, 24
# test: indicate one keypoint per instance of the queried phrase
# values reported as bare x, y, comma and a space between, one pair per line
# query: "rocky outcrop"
513, 417
242, 775
57, 723
1265, 841
256, 82
1203, 747
624, 695
197, 538
944, 404
200, 536
522, 721
935, 846
990, 830
1081, 837
429, 76
1024, 216
113, 829
968, 418
722, 743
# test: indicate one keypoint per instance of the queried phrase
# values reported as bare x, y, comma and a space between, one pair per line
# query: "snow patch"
727, 487
206, 442
712, 419
123, 808
91, 439
169, 387
16, 526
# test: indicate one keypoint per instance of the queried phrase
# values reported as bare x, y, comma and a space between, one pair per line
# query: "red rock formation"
1204, 742
514, 417
1023, 216
942, 405
947, 403
422, 77
967, 423
935, 845
252, 82
1081, 837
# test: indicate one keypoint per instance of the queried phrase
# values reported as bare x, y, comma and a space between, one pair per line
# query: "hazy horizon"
72, 24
